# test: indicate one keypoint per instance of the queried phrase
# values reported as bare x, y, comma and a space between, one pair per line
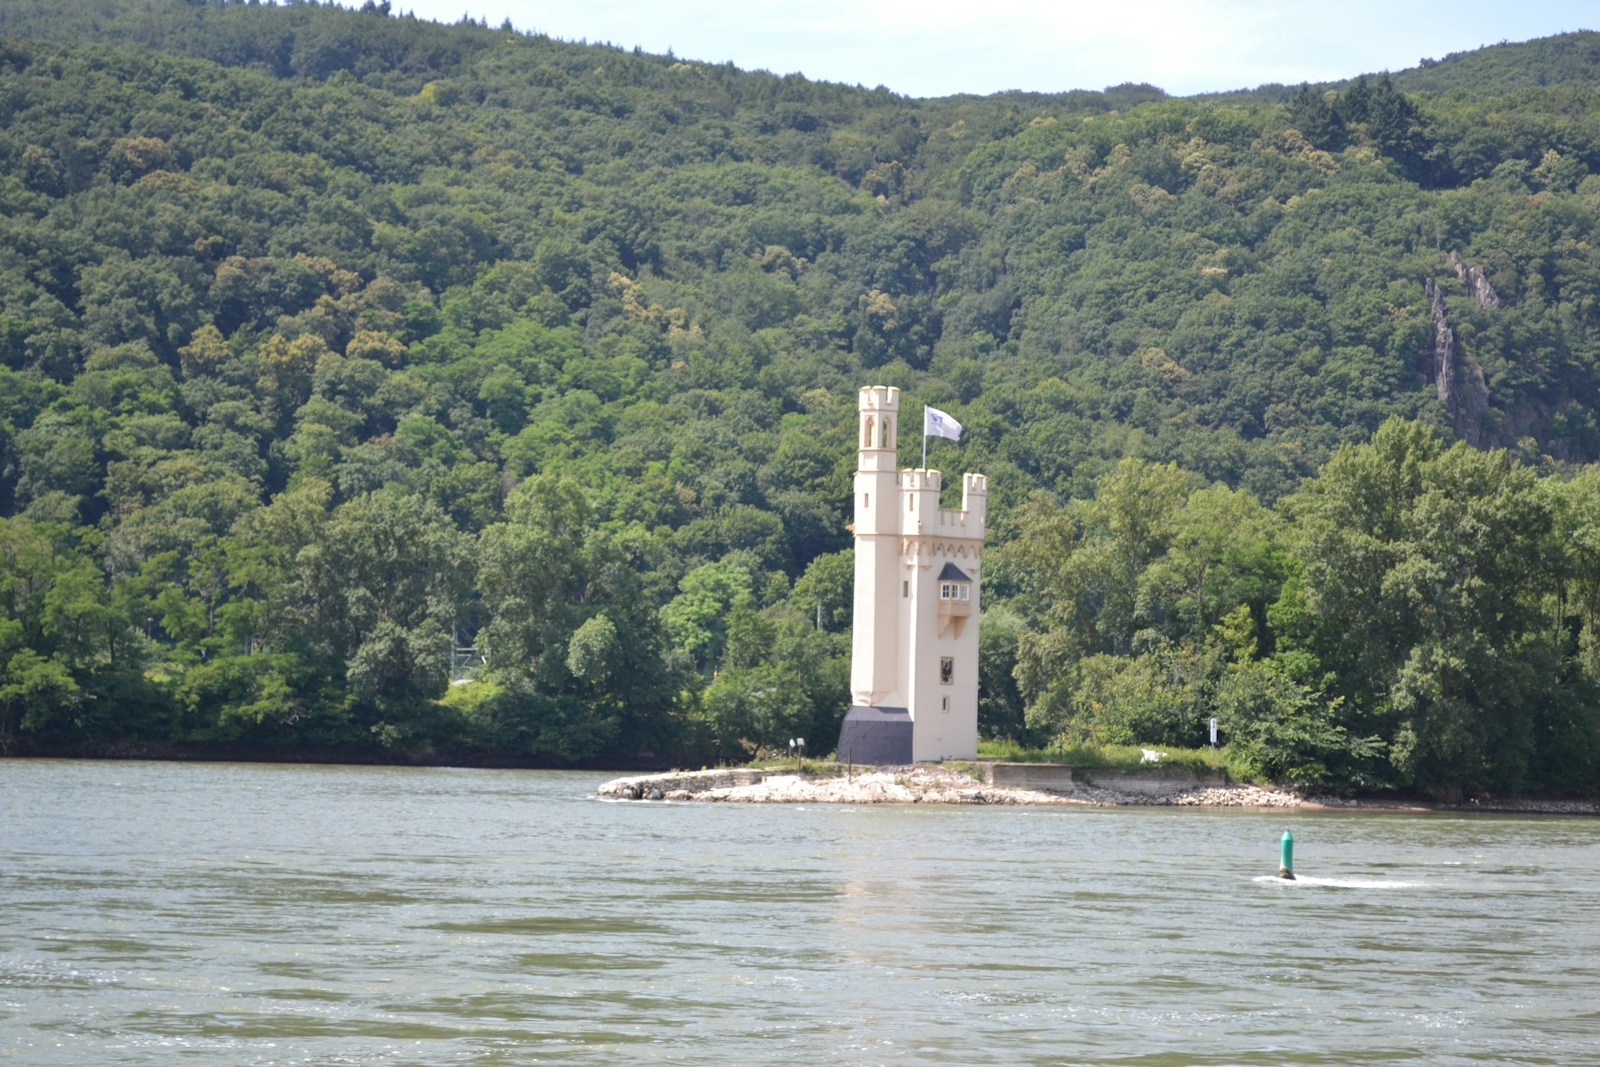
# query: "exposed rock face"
1441, 363
1467, 401
1477, 284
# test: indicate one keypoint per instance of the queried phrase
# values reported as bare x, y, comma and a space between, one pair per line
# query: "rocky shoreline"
916, 784
925, 784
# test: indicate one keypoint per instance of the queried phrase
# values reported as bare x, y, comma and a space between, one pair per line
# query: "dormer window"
955, 599
954, 583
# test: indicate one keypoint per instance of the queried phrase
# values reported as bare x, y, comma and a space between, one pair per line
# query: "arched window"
883, 433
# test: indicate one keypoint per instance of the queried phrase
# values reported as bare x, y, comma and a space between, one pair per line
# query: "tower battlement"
880, 398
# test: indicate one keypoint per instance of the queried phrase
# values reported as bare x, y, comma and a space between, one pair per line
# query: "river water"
257, 914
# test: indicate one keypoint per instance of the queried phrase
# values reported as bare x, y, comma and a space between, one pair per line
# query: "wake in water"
1336, 883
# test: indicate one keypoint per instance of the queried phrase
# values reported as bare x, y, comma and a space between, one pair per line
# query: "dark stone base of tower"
875, 735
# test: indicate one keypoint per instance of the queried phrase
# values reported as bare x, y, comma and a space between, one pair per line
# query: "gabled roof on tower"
952, 573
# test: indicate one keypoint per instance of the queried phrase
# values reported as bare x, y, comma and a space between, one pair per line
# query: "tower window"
955, 591
947, 672
866, 500
905, 589
944, 704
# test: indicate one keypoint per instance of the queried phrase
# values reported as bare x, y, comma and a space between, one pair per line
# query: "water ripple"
254, 915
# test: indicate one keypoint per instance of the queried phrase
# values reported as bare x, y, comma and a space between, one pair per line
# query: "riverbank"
162, 751
933, 784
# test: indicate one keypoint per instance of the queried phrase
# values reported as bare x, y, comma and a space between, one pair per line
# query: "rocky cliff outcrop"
1477, 284
1461, 388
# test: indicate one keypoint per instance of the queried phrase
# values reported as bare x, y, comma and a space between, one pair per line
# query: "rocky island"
1023, 784
984, 783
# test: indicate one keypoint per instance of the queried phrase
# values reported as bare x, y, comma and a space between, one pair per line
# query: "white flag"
936, 423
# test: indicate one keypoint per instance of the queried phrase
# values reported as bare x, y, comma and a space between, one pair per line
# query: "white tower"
875, 650
914, 656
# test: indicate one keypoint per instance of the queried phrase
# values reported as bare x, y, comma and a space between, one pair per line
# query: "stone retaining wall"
1045, 776
1052, 777
1151, 780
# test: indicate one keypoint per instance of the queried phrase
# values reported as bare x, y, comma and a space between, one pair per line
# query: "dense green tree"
698, 618
1286, 731
797, 687
1424, 564
37, 683
395, 572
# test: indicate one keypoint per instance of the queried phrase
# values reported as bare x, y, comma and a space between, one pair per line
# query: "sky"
940, 47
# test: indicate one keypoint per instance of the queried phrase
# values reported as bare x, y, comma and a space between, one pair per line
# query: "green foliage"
826, 591
1112, 757
331, 341
1428, 568
1281, 731
798, 686
698, 619
1001, 710
1416, 616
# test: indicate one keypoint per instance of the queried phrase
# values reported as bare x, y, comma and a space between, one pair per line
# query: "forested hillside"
334, 340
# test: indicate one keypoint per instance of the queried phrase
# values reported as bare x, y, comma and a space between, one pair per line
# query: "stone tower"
914, 658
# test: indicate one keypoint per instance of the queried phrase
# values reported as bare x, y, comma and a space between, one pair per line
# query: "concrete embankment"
1055, 778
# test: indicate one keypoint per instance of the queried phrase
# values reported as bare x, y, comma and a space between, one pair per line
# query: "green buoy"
1286, 864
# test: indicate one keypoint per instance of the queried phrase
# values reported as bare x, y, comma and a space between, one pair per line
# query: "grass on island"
819, 767
1113, 757
1089, 757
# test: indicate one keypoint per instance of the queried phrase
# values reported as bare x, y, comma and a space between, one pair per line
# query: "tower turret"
873, 660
